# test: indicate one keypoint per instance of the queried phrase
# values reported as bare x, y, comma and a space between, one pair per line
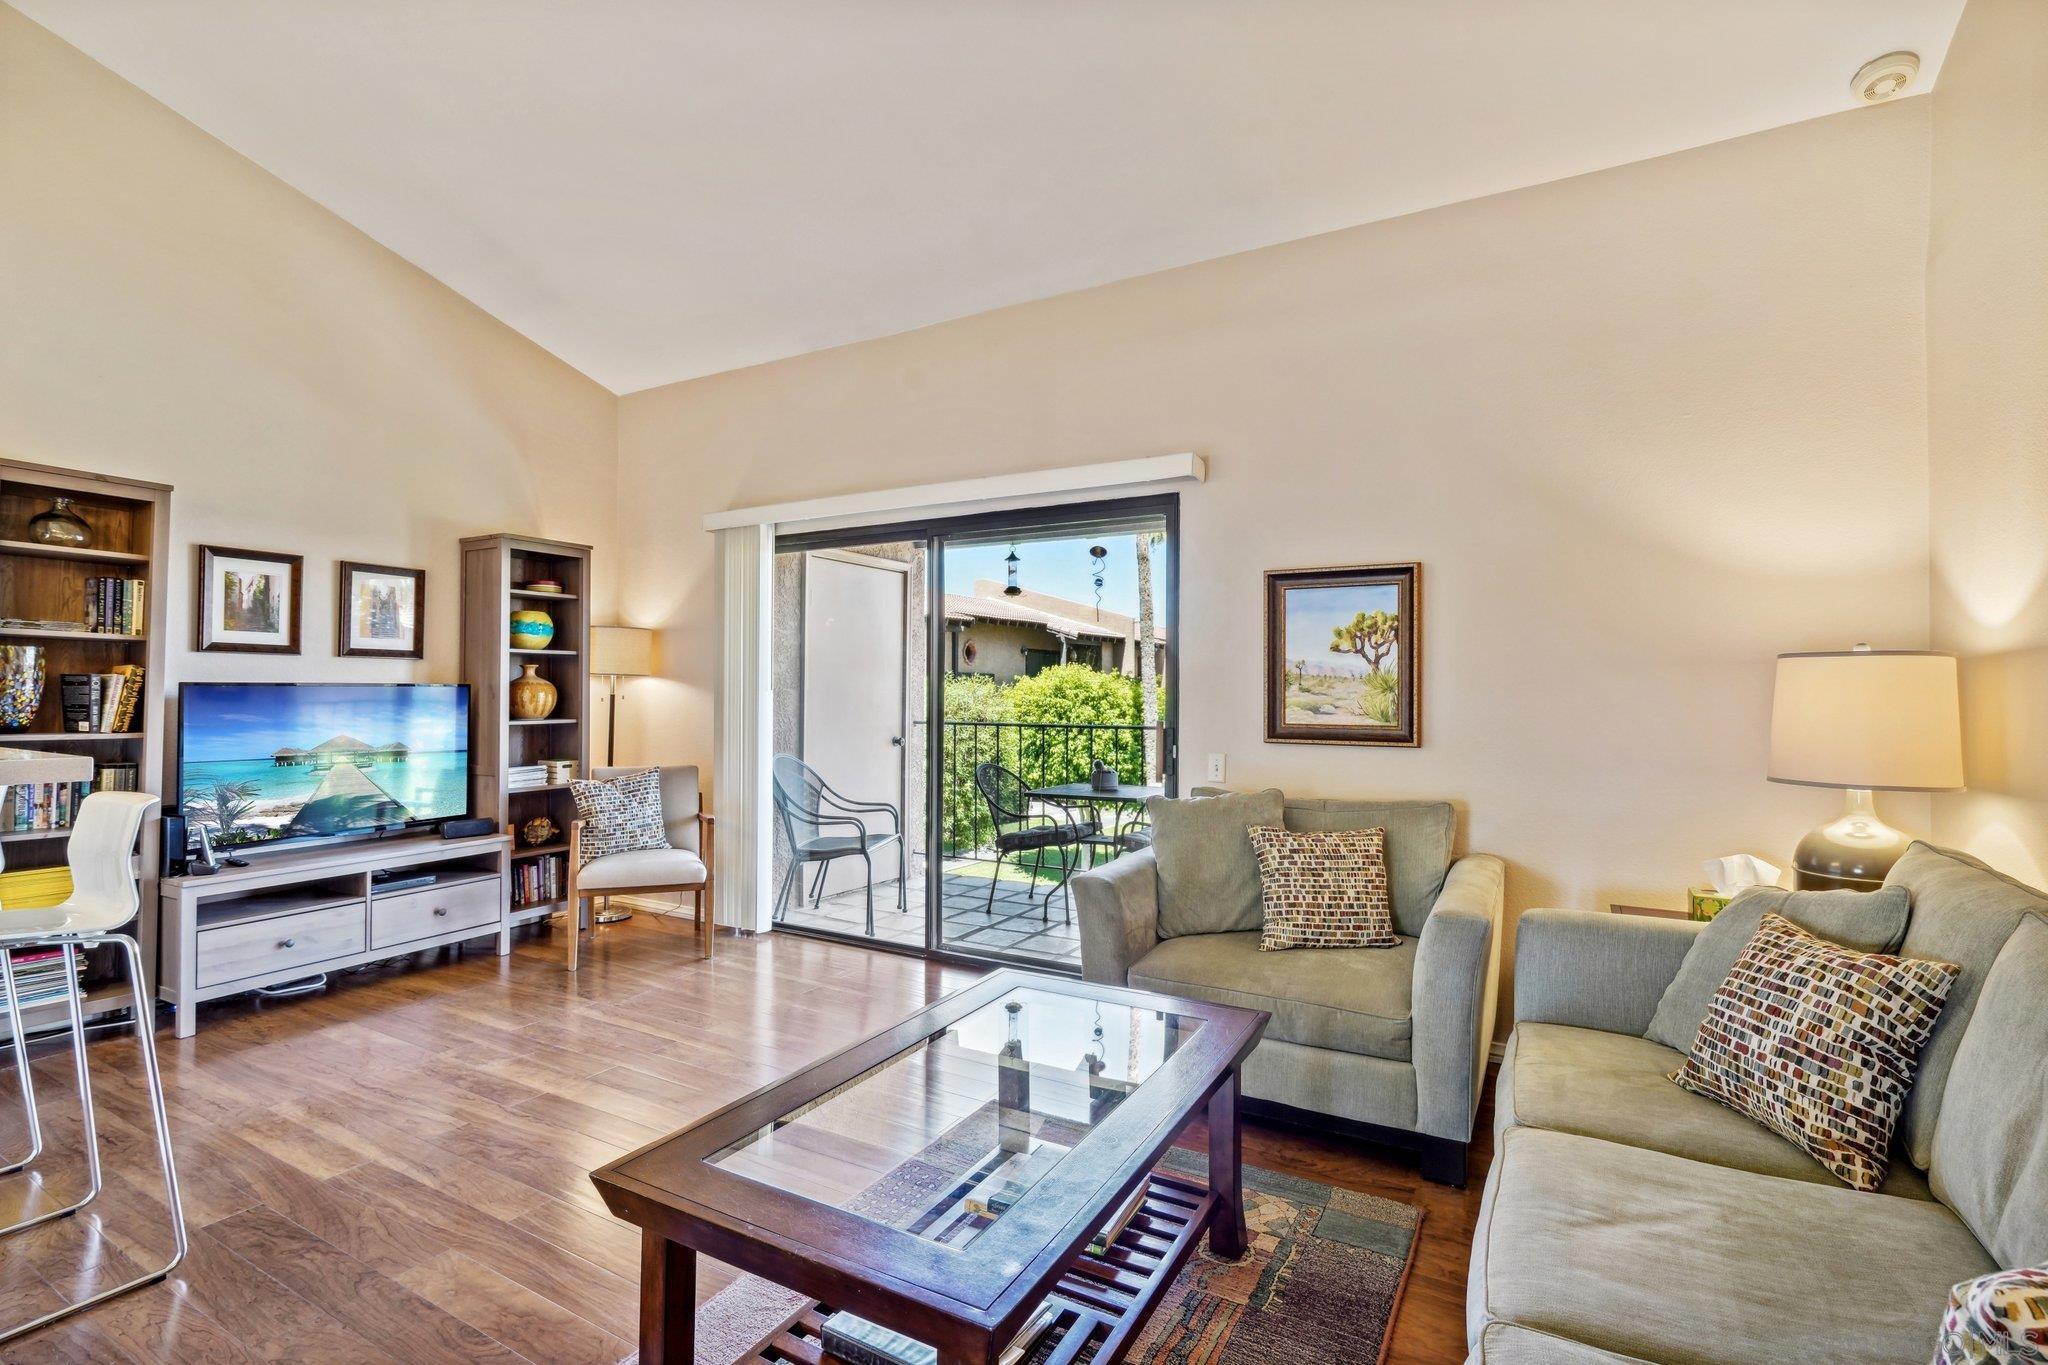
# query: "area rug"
1322, 1282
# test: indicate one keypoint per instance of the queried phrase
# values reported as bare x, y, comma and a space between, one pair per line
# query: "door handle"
896, 740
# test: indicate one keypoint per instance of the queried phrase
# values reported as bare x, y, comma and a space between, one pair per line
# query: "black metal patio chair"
806, 807
1021, 830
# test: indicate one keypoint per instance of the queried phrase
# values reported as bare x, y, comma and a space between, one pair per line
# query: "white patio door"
856, 614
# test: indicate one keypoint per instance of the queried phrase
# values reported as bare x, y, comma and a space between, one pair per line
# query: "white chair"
103, 898
685, 865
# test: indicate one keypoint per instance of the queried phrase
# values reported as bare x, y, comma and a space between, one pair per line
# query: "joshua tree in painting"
1371, 636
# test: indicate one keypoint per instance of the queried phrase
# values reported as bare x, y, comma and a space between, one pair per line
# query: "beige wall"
170, 311
1987, 323
1644, 428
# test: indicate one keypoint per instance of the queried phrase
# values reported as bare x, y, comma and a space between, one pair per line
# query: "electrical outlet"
1215, 768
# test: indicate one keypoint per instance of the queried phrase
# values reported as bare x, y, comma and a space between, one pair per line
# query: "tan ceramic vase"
533, 697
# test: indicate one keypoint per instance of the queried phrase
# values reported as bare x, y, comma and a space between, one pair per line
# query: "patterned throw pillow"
1996, 1319
1818, 1043
620, 815
1324, 889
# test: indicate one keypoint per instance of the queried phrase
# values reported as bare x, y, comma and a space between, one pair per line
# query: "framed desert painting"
1344, 655
381, 612
248, 601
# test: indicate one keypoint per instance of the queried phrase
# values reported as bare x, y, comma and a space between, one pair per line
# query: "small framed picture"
382, 612
1344, 655
248, 601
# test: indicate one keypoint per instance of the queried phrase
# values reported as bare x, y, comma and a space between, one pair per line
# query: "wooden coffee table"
946, 1176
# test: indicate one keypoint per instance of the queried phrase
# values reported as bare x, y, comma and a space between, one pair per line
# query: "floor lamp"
616, 654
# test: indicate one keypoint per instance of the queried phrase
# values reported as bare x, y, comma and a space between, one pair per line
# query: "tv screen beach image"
260, 762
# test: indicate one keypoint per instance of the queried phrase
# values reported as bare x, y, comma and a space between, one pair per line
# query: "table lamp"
1865, 720
616, 654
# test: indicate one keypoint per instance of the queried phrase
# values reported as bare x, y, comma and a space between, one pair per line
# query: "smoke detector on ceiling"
1886, 77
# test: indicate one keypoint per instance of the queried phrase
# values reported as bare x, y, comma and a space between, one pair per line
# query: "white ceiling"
659, 189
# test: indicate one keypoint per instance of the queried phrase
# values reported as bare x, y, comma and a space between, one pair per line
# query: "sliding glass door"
966, 714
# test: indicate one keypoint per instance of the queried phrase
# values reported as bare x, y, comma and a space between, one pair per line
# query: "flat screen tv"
271, 763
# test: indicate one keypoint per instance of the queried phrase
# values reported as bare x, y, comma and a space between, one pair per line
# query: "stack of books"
114, 777
42, 805
526, 776
101, 703
538, 881
113, 606
39, 974
860, 1342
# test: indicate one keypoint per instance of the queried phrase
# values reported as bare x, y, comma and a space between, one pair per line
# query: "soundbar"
468, 828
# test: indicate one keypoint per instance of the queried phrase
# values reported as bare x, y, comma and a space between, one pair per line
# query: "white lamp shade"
1886, 720
621, 651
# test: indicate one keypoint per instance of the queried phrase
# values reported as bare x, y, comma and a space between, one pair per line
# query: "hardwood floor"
396, 1170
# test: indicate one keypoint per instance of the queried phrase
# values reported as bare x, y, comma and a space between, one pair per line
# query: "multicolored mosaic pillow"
620, 815
1818, 1042
1324, 889
1997, 1319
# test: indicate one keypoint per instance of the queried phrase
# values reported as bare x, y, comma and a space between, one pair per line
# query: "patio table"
1126, 800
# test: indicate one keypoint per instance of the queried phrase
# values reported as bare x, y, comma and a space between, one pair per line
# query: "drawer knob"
288, 943
440, 909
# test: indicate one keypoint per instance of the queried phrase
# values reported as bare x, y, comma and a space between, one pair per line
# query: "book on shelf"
114, 606
1106, 1235
855, 1339
117, 777
99, 703
536, 881
41, 805
39, 974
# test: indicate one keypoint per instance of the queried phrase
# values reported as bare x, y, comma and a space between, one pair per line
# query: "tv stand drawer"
259, 947
432, 911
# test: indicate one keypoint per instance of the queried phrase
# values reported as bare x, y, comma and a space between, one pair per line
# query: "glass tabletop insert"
946, 1136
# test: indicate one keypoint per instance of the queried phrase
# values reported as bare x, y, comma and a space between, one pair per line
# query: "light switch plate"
1215, 768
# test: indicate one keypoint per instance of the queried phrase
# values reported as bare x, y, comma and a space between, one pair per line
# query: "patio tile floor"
1015, 927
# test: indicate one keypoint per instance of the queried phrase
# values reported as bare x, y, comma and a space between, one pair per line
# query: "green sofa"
1625, 1219
1390, 1042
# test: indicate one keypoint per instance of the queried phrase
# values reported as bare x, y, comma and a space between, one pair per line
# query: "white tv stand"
289, 915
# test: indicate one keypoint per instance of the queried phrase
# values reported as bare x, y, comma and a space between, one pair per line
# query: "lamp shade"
1885, 720
621, 651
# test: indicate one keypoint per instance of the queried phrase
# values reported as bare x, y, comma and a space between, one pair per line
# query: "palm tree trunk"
1148, 659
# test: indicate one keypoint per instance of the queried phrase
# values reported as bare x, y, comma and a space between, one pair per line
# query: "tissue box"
1704, 902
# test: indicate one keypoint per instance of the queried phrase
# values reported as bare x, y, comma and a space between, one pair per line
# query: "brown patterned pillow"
1324, 889
1818, 1042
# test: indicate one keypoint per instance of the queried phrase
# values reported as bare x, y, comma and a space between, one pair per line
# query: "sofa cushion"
1963, 912
1991, 1145
1323, 889
1503, 1343
1612, 1086
1867, 921
1347, 999
1819, 1043
1208, 879
1651, 1255
1419, 837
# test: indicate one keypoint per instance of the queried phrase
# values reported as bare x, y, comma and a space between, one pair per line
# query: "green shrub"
1064, 695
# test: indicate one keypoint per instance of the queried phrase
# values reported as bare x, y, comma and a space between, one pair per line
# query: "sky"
1062, 568
1313, 613
226, 722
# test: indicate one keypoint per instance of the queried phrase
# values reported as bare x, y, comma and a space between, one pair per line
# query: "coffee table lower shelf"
1108, 1298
